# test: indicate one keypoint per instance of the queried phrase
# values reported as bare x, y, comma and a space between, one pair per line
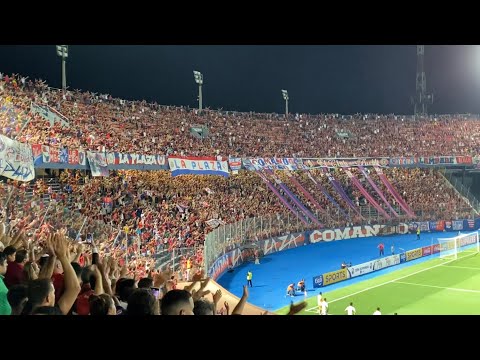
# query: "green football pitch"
434, 287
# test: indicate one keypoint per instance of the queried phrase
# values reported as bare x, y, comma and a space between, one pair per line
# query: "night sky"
343, 79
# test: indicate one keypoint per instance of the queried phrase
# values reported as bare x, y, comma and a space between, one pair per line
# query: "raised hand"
80, 248
96, 269
50, 245
167, 273
112, 265
197, 295
190, 287
296, 308
105, 262
245, 292
25, 243
19, 235
3, 235
123, 272
203, 284
61, 246
217, 296
198, 276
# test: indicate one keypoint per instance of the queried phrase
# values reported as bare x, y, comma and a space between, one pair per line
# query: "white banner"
98, 163
467, 240
361, 269
386, 262
16, 160
197, 166
352, 232
215, 223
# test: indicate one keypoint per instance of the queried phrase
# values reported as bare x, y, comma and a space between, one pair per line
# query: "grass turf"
435, 287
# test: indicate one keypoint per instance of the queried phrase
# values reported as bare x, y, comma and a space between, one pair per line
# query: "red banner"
54, 155
435, 248
427, 250
440, 225
73, 156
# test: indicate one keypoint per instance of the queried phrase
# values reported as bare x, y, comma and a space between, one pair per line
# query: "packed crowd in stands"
99, 122
131, 217
157, 212
62, 278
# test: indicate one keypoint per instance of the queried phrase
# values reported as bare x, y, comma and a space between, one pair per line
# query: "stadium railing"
248, 231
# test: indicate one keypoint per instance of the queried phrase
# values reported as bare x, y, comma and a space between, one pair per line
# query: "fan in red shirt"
14, 274
381, 247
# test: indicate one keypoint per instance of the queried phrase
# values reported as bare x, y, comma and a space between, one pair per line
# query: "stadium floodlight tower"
285, 97
422, 99
199, 80
62, 51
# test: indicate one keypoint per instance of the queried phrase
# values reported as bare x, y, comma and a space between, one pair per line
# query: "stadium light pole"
199, 80
285, 97
62, 51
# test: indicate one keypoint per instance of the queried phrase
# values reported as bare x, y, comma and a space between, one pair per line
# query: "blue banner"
469, 224
273, 163
423, 161
49, 157
63, 155
235, 163
457, 225
424, 226
318, 281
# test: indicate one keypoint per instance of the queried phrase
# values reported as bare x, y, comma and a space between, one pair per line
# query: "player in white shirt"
324, 307
319, 303
350, 310
377, 312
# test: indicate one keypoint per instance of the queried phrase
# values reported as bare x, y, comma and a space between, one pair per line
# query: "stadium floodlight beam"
285, 97
199, 80
62, 51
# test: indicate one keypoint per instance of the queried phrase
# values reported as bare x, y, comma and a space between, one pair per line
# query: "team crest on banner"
448, 225
37, 154
46, 153
81, 158
63, 156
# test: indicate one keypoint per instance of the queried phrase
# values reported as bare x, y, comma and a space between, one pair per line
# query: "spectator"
15, 274
145, 283
102, 304
125, 288
5, 308
177, 302
203, 307
17, 298
30, 271
142, 302
40, 293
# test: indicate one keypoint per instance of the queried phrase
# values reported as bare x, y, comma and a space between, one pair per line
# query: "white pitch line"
462, 267
437, 287
390, 281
